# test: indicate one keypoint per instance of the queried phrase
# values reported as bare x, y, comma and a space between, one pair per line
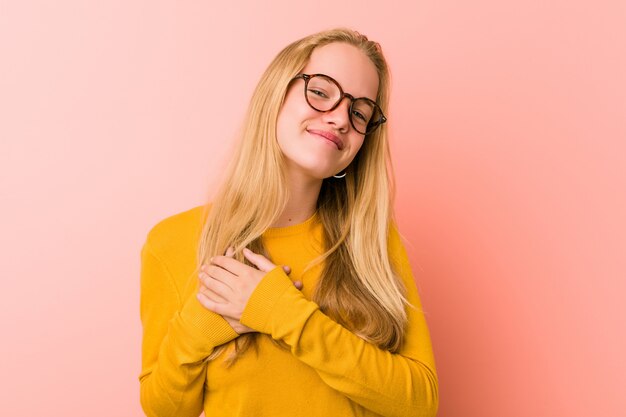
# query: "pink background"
509, 132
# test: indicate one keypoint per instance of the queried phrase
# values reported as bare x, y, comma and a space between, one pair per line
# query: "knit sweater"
327, 370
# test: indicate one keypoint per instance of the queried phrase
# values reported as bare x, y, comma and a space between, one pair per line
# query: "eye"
318, 93
359, 115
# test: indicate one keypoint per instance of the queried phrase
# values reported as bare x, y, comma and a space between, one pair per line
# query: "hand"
226, 285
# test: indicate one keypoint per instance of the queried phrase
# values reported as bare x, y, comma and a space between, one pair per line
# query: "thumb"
259, 260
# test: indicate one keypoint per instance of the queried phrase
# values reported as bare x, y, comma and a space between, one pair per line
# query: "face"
303, 132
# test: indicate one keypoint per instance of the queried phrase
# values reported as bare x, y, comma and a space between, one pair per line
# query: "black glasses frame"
371, 126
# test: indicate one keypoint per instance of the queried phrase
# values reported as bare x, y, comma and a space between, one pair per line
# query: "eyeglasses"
324, 94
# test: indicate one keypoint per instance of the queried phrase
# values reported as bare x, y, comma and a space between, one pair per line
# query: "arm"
177, 337
394, 385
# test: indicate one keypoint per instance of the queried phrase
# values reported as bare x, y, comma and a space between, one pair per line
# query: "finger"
231, 265
217, 286
219, 273
210, 294
298, 284
219, 308
230, 251
287, 269
258, 260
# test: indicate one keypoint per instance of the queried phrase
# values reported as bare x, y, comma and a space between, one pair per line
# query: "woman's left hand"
233, 282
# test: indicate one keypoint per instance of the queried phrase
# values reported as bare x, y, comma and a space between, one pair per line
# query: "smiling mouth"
328, 136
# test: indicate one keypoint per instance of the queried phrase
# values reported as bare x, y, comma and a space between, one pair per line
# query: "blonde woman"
290, 293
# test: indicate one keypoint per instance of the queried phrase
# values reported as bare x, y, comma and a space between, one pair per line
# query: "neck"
303, 191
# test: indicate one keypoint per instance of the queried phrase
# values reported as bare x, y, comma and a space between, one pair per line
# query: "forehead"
354, 71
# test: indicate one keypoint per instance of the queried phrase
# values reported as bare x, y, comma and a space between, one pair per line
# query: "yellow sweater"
328, 370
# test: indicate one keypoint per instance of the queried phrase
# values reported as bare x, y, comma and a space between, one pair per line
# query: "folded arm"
178, 335
394, 385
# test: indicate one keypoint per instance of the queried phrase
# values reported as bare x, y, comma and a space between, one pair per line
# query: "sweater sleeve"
177, 337
393, 385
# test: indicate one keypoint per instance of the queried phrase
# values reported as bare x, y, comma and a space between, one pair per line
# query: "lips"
328, 135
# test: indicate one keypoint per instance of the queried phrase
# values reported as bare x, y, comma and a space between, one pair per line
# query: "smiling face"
307, 137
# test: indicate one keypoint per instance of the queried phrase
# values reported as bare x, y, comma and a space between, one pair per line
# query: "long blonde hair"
358, 286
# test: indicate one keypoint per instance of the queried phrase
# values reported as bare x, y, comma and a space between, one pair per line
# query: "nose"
339, 116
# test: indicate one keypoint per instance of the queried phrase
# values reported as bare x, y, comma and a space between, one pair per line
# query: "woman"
291, 294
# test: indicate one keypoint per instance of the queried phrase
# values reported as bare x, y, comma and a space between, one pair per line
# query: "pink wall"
509, 132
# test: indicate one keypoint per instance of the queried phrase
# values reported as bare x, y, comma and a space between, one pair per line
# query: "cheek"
356, 143
284, 125
292, 115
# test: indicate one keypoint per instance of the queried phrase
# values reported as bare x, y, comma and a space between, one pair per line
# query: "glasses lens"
322, 93
364, 112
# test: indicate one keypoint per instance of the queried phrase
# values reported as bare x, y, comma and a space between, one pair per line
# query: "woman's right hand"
235, 324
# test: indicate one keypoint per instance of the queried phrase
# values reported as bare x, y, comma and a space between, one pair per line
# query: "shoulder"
394, 239
177, 232
396, 249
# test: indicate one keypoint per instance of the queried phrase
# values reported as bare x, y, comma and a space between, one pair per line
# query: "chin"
320, 175
315, 171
